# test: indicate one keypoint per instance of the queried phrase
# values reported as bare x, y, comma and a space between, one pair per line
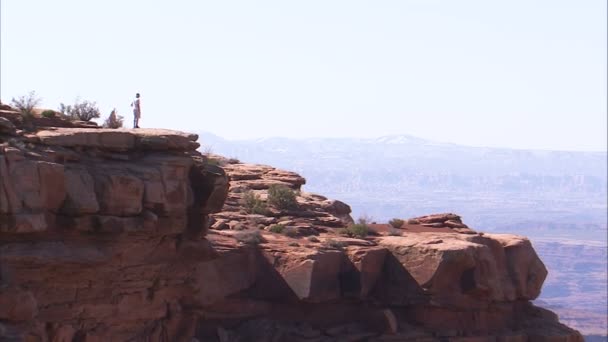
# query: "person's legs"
135, 120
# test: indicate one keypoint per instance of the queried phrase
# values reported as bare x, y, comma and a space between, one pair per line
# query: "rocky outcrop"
103, 180
89, 221
468, 271
103, 237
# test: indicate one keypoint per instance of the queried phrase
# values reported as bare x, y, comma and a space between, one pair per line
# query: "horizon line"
403, 135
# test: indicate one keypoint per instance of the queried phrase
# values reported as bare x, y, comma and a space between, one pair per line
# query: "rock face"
102, 180
103, 237
467, 271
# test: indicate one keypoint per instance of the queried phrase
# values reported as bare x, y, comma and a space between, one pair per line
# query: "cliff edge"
133, 235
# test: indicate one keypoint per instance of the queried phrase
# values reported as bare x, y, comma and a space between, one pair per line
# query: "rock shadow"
396, 286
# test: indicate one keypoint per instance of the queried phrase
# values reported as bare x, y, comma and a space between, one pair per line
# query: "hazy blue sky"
511, 73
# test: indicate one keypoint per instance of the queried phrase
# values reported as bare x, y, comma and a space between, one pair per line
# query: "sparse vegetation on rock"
365, 220
331, 243
83, 111
291, 232
396, 223
253, 204
359, 230
249, 237
282, 197
282, 229
276, 228
49, 113
343, 231
26, 103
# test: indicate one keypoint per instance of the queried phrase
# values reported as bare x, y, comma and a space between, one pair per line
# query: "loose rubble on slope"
132, 235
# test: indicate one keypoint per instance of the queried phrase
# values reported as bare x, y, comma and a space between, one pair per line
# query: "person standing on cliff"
136, 111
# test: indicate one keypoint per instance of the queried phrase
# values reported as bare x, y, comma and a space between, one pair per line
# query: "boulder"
438, 218
315, 278
339, 209
470, 270
7, 127
527, 272
368, 263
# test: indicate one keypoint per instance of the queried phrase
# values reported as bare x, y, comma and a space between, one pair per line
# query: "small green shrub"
249, 237
343, 231
48, 113
282, 197
359, 230
233, 161
253, 203
396, 223
25, 104
277, 228
291, 232
413, 221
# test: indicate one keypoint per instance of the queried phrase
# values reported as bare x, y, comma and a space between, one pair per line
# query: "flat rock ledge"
148, 139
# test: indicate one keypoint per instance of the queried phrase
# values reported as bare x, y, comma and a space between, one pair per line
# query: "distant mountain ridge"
486, 185
404, 146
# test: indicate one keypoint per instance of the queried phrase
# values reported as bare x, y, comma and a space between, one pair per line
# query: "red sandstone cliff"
104, 237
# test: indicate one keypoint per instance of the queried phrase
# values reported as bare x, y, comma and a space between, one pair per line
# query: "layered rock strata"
103, 237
